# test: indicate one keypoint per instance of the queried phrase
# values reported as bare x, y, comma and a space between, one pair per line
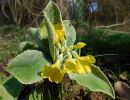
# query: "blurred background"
104, 25
95, 12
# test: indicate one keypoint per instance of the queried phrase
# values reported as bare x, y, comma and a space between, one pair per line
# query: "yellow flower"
89, 59
79, 65
79, 45
70, 65
53, 72
59, 32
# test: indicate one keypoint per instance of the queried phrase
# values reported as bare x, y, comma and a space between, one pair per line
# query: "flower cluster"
73, 63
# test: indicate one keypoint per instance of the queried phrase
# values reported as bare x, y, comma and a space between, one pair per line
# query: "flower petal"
83, 67
89, 59
59, 32
79, 45
53, 72
71, 66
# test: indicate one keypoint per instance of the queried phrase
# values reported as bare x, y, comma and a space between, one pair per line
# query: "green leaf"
53, 13
27, 45
35, 34
43, 44
26, 66
36, 95
52, 16
70, 32
10, 89
94, 81
50, 38
32, 30
43, 30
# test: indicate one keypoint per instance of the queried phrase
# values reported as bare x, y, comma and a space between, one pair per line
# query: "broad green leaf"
50, 38
95, 81
70, 32
43, 44
27, 45
43, 30
52, 16
53, 13
26, 66
10, 89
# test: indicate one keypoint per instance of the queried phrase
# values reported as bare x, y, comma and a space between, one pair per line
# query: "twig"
105, 55
113, 25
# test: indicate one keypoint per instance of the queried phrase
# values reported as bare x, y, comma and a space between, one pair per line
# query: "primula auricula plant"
52, 57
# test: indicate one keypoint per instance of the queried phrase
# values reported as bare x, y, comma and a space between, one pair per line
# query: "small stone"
122, 89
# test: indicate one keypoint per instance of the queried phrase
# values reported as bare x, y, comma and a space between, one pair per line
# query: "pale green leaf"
27, 66
32, 30
53, 13
43, 30
52, 16
70, 32
50, 38
95, 81
41, 44
27, 45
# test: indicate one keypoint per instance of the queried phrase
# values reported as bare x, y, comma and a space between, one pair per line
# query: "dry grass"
22, 12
